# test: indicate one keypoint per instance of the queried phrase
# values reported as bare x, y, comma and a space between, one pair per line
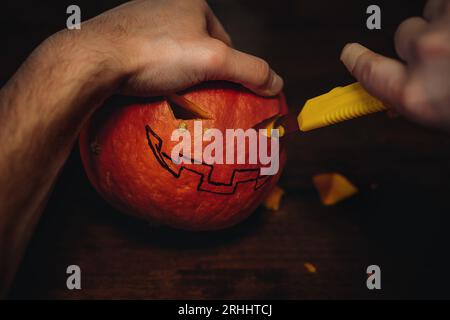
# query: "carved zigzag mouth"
204, 170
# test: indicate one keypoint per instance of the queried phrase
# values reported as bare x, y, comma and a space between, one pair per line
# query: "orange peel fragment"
273, 200
333, 188
271, 125
310, 267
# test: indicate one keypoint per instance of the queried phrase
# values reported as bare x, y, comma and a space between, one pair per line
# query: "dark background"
399, 220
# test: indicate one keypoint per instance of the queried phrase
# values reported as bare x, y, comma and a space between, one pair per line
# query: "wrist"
87, 66
62, 82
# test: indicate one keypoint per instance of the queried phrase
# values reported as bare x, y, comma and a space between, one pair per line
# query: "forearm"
41, 111
142, 48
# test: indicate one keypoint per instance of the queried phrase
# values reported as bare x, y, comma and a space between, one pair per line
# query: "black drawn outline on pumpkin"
165, 160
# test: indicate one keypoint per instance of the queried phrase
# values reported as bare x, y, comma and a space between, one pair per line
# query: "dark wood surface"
399, 220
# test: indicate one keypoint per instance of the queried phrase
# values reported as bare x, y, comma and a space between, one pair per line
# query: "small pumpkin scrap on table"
333, 187
273, 200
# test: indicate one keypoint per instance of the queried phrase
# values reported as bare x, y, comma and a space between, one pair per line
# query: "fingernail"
351, 53
277, 84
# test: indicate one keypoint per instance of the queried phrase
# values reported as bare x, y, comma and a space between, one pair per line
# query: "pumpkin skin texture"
123, 146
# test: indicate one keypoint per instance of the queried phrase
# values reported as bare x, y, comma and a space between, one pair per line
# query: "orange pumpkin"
125, 148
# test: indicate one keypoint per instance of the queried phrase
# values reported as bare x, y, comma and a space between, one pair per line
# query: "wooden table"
398, 221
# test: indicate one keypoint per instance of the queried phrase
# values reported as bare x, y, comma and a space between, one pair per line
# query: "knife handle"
340, 104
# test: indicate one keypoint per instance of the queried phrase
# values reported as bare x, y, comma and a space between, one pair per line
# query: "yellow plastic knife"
340, 104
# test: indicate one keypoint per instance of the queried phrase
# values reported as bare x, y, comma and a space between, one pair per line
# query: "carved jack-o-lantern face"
126, 151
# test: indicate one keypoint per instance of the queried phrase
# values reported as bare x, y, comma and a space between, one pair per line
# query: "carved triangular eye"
179, 112
266, 123
184, 109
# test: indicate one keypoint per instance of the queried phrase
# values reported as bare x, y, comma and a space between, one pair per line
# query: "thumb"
382, 77
250, 71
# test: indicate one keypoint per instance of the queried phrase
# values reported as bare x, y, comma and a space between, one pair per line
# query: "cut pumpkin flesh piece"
333, 188
310, 267
273, 200
269, 125
189, 106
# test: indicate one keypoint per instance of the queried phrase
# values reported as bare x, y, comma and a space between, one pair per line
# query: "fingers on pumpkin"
333, 188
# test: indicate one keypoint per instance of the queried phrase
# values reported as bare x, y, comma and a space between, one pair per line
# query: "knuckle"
429, 44
410, 99
406, 99
420, 46
365, 70
401, 32
263, 73
215, 56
